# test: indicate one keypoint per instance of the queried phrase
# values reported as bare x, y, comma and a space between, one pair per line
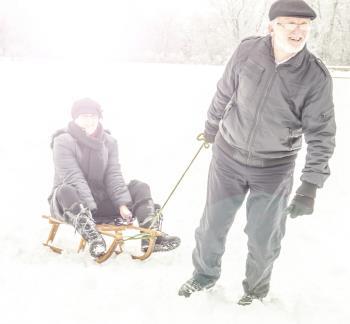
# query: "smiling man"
272, 92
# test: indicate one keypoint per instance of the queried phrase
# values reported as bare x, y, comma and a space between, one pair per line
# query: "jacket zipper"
257, 115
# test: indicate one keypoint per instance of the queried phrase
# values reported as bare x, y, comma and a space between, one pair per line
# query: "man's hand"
125, 213
303, 201
209, 138
300, 205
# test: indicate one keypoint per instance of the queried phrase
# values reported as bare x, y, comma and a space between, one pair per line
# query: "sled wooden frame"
113, 231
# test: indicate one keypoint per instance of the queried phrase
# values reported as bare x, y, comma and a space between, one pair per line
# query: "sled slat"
54, 248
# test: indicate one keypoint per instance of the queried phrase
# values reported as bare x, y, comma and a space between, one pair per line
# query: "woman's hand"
125, 213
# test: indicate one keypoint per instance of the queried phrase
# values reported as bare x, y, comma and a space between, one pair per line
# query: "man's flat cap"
291, 8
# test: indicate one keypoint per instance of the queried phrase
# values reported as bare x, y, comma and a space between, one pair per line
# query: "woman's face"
88, 122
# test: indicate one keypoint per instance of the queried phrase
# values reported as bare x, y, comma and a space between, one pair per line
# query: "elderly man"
272, 92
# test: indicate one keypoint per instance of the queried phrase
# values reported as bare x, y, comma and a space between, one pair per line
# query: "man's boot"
145, 213
81, 218
195, 284
247, 299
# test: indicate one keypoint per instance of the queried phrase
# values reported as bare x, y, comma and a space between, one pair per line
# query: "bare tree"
207, 36
211, 39
3, 37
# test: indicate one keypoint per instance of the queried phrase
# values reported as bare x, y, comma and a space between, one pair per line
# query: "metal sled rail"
113, 231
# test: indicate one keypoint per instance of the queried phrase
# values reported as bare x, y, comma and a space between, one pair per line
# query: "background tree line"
206, 36
211, 37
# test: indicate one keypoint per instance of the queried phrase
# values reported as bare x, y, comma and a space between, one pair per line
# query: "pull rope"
158, 213
158, 216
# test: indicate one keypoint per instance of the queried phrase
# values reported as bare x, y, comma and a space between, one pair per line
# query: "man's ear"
270, 27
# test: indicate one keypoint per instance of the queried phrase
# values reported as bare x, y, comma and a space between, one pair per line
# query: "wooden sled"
113, 231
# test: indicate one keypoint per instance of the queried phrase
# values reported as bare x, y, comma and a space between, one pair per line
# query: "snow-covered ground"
155, 111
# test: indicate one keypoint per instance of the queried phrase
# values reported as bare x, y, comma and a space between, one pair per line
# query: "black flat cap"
291, 8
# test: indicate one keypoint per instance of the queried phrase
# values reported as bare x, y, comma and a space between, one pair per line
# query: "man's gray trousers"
228, 184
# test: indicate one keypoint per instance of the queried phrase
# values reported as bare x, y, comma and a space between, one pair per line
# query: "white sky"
88, 28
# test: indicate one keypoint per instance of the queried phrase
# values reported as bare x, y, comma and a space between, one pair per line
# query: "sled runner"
113, 231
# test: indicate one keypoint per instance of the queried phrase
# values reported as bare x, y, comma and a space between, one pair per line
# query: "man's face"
88, 122
290, 33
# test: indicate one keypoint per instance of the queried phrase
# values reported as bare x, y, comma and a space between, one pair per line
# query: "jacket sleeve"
223, 95
116, 188
319, 128
68, 169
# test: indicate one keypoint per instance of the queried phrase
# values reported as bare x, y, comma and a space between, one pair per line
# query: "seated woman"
89, 187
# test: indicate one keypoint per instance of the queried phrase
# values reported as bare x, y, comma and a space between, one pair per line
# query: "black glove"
303, 201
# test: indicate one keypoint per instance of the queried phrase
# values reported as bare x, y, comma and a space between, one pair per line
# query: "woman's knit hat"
86, 106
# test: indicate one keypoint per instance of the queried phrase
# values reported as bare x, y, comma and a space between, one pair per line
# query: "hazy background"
181, 31
55, 52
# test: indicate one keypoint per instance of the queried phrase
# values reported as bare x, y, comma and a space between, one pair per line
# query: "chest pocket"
250, 77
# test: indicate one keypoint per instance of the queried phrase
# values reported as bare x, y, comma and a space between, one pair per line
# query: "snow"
155, 111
